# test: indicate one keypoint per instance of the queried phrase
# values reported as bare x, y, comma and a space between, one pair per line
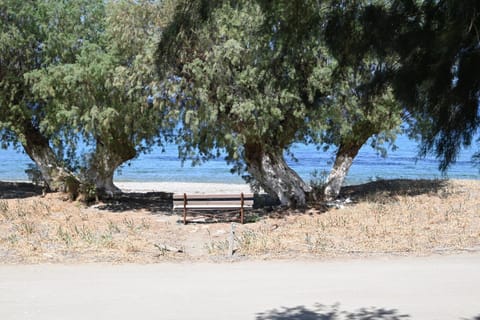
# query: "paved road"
441, 287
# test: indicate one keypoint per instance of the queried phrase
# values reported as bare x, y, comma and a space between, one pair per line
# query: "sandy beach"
183, 187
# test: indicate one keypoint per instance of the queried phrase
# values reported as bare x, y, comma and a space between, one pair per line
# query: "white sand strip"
183, 187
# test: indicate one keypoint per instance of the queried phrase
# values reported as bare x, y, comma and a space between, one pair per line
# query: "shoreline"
169, 186
183, 187
215, 187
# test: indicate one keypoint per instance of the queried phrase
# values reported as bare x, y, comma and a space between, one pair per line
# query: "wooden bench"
208, 204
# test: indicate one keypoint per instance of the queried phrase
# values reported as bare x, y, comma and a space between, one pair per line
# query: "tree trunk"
55, 175
105, 160
275, 177
343, 161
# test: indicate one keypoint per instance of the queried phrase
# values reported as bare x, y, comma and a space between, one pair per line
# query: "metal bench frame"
204, 203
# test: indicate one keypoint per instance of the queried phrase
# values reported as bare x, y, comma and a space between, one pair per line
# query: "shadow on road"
322, 312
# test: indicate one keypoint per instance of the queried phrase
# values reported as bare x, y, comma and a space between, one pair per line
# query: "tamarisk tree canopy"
33, 36
246, 90
256, 76
436, 46
82, 70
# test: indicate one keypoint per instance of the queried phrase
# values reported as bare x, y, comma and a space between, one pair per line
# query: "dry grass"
52, 230
384, 222
386, 218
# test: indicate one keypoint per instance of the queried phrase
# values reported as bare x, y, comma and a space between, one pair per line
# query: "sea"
163, 165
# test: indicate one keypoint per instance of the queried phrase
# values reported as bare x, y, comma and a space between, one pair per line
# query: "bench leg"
241, 207
184, 208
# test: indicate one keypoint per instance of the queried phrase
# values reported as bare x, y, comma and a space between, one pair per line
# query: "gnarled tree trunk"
104, 162
343, 161
55, 175
272, 173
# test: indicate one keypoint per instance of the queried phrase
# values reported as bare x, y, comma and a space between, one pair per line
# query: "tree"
444, 59
361, 112
351, 106
108, 93
34, 35
243, 91
366, 108
259, 78
436, 46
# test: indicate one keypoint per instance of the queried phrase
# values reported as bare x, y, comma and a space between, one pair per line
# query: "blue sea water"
159, 166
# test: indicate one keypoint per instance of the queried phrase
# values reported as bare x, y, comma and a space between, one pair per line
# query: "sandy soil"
182, 187
382, 218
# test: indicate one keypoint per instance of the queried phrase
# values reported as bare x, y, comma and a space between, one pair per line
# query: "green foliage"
240, 81
435, 47
34, 35
107, 93
444, 59
82, 70
259, 72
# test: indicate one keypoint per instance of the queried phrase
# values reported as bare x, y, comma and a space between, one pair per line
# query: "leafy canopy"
107, 93
239, 81
436, 48
260, 72
35, 35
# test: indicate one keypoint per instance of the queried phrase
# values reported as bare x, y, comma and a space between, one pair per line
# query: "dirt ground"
386, 217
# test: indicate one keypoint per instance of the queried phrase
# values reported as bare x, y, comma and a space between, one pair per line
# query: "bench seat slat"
212, 206
199, 197
212, 203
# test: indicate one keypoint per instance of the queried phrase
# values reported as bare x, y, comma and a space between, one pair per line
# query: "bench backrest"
213, 200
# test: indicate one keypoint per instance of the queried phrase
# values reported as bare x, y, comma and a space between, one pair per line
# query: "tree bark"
104, 162
55, 175
275, 177
343, 161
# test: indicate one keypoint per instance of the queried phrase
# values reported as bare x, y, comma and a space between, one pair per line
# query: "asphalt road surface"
439, 287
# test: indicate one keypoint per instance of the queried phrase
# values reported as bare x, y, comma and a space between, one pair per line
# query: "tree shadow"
162, 202
323, 312
384, 190
19, 190
154, 202
151, 201
380, 191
